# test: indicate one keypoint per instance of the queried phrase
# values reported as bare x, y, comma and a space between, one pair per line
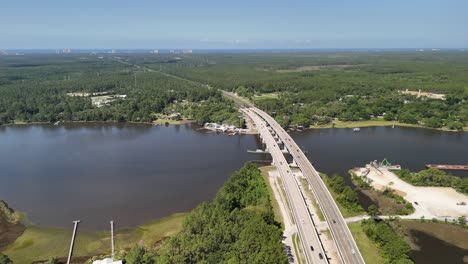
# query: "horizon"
208, 24
13, 51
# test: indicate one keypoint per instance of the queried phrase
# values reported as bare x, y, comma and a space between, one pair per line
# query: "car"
320, 256
416, 203
353, 252
303, 221
312, 248
334, 221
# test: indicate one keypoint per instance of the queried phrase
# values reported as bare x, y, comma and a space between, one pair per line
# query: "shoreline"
377, 123
154, 123
54, 241
339, 124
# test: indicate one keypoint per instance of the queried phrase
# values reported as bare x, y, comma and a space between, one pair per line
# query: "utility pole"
112, 238
70, 253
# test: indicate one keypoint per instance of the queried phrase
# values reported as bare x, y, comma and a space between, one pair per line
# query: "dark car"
320, 256
416, 203
312, 248
334, 221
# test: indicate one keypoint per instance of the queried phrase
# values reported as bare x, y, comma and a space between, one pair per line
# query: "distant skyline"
209, 24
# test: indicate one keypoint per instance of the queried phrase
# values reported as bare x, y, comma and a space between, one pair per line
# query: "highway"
311, 244
339, 230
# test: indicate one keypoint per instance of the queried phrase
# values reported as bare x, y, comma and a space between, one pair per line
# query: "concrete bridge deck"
310, 240
347, 248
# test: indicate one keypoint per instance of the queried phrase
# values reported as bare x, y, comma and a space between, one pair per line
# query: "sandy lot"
433, 202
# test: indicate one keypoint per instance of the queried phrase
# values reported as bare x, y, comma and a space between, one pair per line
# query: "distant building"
154, 51
66, 51
2, 52
187, 51
172, 51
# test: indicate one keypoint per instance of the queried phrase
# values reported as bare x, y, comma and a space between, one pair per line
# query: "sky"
239, 24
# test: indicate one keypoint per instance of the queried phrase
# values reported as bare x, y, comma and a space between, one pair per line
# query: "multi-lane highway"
341, 234
313, 250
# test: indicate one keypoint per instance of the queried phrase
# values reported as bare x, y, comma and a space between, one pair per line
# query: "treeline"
237, 227
315, 88
347, 196
35, 90
434, 177
291, 109
393, 247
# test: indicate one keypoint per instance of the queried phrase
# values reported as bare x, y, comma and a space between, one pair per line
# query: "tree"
139, 255
373, 211
462, 220
53, 260
4, 259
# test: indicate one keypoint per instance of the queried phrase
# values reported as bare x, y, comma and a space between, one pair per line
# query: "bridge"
275, 138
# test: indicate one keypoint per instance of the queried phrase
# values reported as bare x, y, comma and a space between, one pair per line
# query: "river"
124, 172
133, 173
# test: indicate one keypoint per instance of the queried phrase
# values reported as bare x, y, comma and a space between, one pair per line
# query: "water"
101, 172
338, 150
435, 251
135, 173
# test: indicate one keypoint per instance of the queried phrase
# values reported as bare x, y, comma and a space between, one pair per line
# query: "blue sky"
233, 24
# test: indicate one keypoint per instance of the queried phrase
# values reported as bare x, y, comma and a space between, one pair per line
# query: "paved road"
343, 238
305, 226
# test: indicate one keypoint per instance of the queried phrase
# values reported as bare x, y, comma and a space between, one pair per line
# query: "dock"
447, 167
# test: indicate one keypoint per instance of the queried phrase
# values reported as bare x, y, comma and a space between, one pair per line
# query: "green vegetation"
40, 243
389, 202
434, 177
139, 255
33, 88
237, 227
311, 197
408, 207
314, 88
393, 247
298, 248
369, 250
346, 197
9, 215
4, 259
274, 203
300, 89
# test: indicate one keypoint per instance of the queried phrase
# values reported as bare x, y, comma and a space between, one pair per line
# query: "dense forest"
33, 88
434, 177
347, 196
315, 88
393, 246
299, 89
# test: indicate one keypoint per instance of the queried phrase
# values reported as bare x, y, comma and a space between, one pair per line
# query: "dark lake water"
101, 172
135, 173
338, 150
435, 251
